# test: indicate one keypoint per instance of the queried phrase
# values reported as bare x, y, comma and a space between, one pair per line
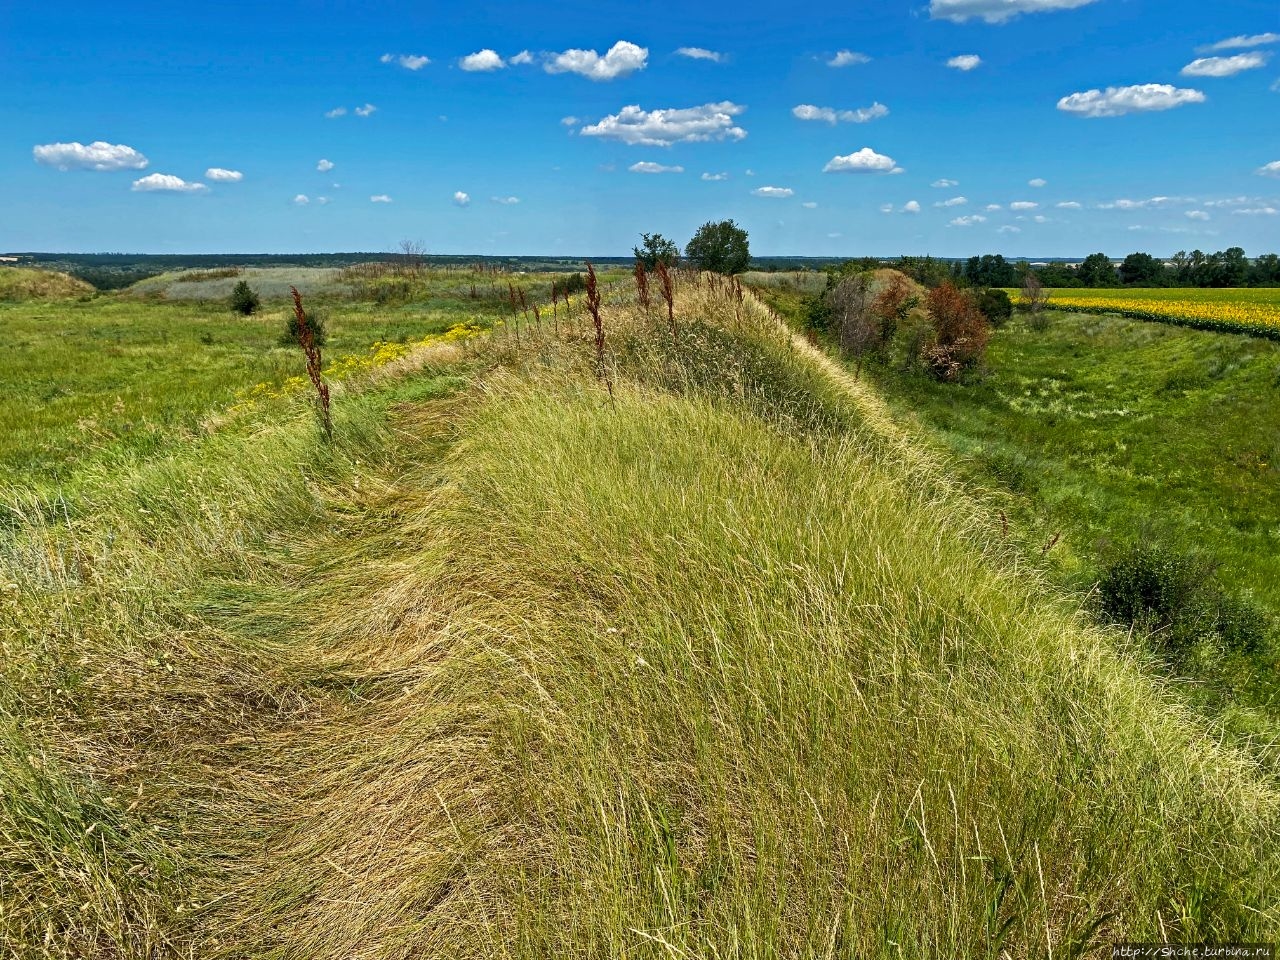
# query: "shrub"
292, 335
244, 300
995, 306
573, 283
1177, 597
960, 332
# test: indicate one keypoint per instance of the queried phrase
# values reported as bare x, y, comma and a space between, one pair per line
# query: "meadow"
657, 637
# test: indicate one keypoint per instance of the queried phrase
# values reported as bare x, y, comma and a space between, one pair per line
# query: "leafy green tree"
1266, 271
1141, 270
654, 247
995, 305
243, 299
1097, 270
719, 247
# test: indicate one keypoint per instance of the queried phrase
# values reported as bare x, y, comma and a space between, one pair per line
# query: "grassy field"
1251, 311
717, 662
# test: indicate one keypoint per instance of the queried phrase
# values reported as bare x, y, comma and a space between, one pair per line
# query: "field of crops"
1251, 311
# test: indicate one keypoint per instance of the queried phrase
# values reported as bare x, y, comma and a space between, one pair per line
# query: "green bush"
315, 320
995, 306
244, 300
1177, 597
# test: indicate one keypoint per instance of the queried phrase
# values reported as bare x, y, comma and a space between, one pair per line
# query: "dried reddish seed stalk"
308, 341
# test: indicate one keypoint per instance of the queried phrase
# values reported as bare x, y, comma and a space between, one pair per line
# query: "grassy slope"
717, 669
20, 284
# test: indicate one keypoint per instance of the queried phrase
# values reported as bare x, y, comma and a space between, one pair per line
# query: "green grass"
723, 666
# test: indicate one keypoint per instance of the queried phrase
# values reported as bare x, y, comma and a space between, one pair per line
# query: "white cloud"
324, 166
1037, 182
911, 206
1242, 42
1125, 204
809, 205
1271, 169
1040, 218
996, 11
865, 160
623, 58
715, 176
166, 182
302, 199
506, 201
223, 176
1258, 211
521, 58
848, 58
322, 200
648, 166
1009, 229
380, 198
994, 206
886, 208
570, 121
944, 182
778, 192
1224, 66
700, 53
98, 155
1023, 205
1275, 86
407, 60
367, 110
1117, 101
662, 128
461, 199
335, 113
953, 202
1068, 205
1197, 215
807, 111
965, 62
1231, 202
481, 61
968, 221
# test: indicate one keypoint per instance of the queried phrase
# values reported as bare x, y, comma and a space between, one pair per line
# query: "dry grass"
28, 283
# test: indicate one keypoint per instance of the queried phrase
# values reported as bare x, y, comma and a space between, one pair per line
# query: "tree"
1141, 270
655, 247
850, 301
995, 305
243, 300
1097, 270
719, 247
960, 332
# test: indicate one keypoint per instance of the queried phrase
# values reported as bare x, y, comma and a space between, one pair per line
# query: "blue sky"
951, 127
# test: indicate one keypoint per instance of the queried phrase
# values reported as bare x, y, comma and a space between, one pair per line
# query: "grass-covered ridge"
20, 284
721, 666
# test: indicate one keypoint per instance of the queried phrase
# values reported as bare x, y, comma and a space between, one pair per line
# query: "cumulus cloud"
157, 182
324, 166
648, 166
911, 206
1271, 169
322, 200
1067, 205
1117, 101
1040, 218
715, 176
965, 62
810, 205
1224, 66
807, 111
98, 155
302, 199
944, 182
1009, 229
223, 176
1023, 205
521, 58
461, 199
1037, 182
622, 58
953, 202
777, 192
366, 111
662, 128
506, 201
1257, 211
1126, 204
700, 53
1197, 215
886, 208
407, 60
848, 58
996, 11
335, 113
968, 221
482, 61
1242, 42
994, 206
865, 160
